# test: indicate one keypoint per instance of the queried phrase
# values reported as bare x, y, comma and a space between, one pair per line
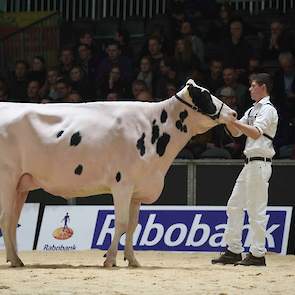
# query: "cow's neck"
184, 123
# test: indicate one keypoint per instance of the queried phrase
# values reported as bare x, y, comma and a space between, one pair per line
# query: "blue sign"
189, 229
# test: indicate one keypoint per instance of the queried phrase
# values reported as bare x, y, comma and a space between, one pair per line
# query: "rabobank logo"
172, 228
64, 232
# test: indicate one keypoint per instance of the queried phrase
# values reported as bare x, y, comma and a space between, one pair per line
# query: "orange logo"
65, 232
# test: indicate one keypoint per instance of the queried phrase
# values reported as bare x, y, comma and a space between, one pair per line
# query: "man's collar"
262, 101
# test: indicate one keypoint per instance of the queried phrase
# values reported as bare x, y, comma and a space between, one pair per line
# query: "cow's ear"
194, 93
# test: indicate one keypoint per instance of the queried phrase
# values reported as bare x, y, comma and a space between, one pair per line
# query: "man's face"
67, 57
136, 89
33, 89
84, 52
154, 47
257, 91
236, 29
113, 52
62, 90
228, 76
20, 70
216, 67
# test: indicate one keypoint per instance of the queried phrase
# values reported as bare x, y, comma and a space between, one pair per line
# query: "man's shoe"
227, 258
252, 260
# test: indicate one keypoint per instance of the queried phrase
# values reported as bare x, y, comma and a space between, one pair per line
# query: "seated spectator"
81, 84
3, 90
113, 96
49, 90
18, 82
38, 70
87, 62
33, 92
86, 38
146, 74
123, 38
63, 89
279, 40
230, 79
73, 97
284, 86
67, 61
145, 95
115, 58
137, 87
236, 50
114, 82
185, 60
166, 75
171, 89
155, 52
213, 79
196, 42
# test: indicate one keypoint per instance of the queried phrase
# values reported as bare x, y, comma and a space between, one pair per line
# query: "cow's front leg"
133, 221
121, 196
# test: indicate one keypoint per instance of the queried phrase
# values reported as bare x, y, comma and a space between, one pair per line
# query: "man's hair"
262, 78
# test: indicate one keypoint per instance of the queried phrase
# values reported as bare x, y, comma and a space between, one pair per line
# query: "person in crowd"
155, 52
49, 89
18, 82
230, 80
145, 95
167, 74
171, 89
213, 79
87, 62
185, 60
284, 86
114, 82
3, 90
250, 192
73, 97
33, 92
196, 42
137, 87
113, 96
38, 70
123, 38
82, 84
86, 38
279, 40
236, 50
67, 61
146, 73
63, 88
115, 58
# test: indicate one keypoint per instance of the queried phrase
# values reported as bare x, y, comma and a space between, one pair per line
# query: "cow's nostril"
235, 114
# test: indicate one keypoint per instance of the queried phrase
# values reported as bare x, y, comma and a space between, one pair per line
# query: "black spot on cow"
155, 132
79, 169
164, 116
140, 144
76, 139
162, 144
118, 176
183, 115
179, 123
59, 134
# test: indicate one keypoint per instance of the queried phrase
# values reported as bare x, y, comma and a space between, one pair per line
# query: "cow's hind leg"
133, 221
9, 218
122, 197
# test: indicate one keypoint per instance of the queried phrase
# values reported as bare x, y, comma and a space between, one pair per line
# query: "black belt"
247, 160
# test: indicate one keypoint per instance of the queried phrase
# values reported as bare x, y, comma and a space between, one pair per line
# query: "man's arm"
236, 127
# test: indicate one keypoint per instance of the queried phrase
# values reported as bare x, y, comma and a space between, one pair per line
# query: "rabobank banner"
161, 228
26, 227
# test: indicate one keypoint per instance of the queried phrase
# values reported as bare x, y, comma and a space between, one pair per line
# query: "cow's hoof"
17, 263
109, 264
132, 262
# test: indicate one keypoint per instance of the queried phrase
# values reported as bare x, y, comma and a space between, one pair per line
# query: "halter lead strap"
195, 108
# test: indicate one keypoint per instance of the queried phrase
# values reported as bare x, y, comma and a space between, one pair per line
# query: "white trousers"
251, 193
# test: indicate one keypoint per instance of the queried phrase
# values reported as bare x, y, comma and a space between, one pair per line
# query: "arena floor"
161, 273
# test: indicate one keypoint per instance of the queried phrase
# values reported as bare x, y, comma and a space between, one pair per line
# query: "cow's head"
201, 100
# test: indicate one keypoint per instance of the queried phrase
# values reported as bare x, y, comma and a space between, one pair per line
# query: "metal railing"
92, 9
256, 6
40, 38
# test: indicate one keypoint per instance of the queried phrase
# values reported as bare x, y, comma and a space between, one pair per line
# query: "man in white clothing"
250, 192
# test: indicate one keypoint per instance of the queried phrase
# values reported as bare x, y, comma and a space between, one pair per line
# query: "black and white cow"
122, 148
